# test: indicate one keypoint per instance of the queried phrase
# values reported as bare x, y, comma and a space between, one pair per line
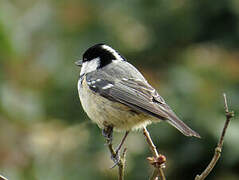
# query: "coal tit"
115, 95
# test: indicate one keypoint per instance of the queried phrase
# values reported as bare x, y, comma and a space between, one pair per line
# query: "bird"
116, 96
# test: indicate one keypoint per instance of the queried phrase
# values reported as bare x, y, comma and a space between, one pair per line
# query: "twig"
121, 163
158, 161
2, 178
155, 175
218, 149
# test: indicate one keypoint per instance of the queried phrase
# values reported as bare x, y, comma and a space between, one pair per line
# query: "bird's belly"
105, 112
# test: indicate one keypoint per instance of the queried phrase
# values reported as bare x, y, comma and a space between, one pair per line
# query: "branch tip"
3, 178
218, 149
158, 161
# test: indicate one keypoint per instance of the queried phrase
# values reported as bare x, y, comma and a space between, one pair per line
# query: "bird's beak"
78, 63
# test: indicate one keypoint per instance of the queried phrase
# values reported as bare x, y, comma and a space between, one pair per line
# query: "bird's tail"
181, 126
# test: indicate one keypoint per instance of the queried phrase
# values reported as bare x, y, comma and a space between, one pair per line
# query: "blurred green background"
187, 49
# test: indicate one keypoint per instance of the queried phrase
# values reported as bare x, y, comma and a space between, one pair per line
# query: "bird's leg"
107, 132
122, 142
116, 156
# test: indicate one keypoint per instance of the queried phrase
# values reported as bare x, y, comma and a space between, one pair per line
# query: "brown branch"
158, 161
218, 149
154, 175
121, 163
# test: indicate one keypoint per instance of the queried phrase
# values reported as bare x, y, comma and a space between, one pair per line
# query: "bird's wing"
132, 93
140, 96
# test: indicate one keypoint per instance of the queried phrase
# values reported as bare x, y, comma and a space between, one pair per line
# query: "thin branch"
155, 175
158, 161
2, 178
229, 115
218, 149
121, 163
150, 142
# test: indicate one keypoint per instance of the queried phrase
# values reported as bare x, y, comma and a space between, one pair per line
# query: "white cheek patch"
114, 52
89, 66
79, 85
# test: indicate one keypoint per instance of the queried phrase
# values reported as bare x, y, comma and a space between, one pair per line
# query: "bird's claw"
115, 158
108, 141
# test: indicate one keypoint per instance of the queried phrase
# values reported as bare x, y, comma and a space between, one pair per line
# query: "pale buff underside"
104, 112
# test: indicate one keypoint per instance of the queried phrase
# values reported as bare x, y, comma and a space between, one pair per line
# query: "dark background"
187, 49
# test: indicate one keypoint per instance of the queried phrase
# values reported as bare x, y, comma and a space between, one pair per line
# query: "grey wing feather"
136, 99
128, 93
155, 105
140, 96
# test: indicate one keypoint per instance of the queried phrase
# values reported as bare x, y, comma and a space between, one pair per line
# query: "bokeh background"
187, 49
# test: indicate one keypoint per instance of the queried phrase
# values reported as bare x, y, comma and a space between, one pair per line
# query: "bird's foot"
115, 158
107, 132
